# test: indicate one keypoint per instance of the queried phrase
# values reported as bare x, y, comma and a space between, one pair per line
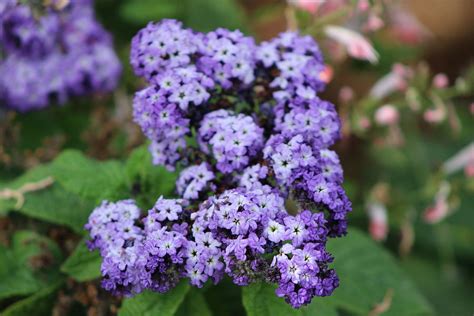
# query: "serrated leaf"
88, 178
151, 304
194, 305
39, 303
17, 273
260, 300
83, 264
366, 273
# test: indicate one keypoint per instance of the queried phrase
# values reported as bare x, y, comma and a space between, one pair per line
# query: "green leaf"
18, 273
82, 265
150, 303
151, 181
144, 11
52, 204
260, 300
33, 175
56, 205
449, 288
40, 303
88, 178
194, 305
366, 273
207, 15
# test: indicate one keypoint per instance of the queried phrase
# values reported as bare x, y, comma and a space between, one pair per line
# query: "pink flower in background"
378, 222
363, 5
440, 81
440, 209
356, 45
364, 123
310, 6
435, 115
387, 115
374, 23
346, 94
436, 213
326, 74
471, 108
406, 26
469, 169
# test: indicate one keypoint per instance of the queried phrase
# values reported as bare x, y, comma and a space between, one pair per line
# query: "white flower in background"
378, 225
464, 159
396, 80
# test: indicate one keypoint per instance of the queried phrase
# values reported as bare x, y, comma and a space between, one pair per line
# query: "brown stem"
19, 194
383, 306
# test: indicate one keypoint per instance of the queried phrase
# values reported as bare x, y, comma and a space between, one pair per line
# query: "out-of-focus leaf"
143, 11
260, 300
19, 274
82, 265
449, 290
459, 238
207, 15
150, 303
194, 305
40, 303
88, 178
54, 122
366, 273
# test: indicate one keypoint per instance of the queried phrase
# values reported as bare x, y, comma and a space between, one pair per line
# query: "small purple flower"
194, 180
233, 139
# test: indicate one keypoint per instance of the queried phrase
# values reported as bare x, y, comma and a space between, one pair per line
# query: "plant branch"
19, 194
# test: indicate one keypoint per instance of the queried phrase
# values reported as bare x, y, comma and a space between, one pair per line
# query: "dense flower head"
298, 64
228, 56
233, 138
162, 46
53, 53
316, 120
194, 180
259, 190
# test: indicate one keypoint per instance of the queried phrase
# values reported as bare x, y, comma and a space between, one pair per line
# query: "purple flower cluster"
49, 53
259, 190
247, 235
227, 56
234, 139
259, 240
298, 65
194, 180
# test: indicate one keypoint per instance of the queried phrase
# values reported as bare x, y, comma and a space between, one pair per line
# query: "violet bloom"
245, 127
194, 180
54, 54
233, 139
